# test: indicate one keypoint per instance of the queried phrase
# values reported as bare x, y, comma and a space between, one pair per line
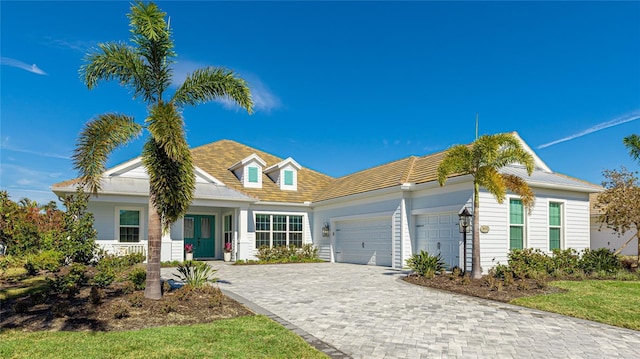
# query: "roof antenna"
476, 125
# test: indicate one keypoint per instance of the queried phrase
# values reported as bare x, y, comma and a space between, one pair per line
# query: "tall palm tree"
145, 68
482, 160
632, 142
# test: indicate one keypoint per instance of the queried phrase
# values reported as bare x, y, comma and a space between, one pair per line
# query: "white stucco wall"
603, 237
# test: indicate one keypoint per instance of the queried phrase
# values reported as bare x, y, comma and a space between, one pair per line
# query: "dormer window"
249, 171
285, 174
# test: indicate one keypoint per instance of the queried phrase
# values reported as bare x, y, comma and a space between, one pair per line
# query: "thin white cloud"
5, 145
21, 65
601, 126
27, 173
76, 45
263, 99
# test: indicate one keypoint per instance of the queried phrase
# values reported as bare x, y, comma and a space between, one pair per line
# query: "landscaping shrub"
291, 254
528, 262
104, 278
135, 299
599, 260
195, 274
138, 277
426, 265
49, 260
564, 261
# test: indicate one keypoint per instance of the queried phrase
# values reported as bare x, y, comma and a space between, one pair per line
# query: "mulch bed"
117, 310
482, 289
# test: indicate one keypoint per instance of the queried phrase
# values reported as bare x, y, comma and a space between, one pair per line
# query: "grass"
605, 301
244, 337
24, 286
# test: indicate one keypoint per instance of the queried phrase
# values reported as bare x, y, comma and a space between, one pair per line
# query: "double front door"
199, 231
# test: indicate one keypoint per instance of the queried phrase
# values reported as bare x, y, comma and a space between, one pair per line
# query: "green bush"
291, 254
49, 260
599, 260
103, 278
426, 265
564, 262
138, 276
528, 263
195, 274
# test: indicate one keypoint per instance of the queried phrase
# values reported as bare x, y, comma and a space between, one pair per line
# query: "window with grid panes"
516, 224
129, 226
274, 230
555, 225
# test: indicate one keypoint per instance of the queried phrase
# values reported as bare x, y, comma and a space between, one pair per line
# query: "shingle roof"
216, 158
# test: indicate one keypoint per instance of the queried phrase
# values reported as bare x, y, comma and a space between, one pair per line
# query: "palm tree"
145, 69
482, 160
632, 142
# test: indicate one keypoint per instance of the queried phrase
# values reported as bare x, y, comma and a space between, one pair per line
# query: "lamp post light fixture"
325, 229
464, 221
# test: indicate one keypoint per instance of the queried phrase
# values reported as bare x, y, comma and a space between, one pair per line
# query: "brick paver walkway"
367, 312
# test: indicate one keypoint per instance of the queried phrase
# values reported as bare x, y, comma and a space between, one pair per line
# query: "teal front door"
199, 231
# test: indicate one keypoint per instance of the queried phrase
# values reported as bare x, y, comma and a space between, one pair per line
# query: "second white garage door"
364, 242
438, 233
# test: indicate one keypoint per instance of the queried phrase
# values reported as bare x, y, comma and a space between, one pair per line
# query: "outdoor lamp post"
464, 219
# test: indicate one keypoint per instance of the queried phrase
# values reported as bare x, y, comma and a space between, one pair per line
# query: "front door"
199, 231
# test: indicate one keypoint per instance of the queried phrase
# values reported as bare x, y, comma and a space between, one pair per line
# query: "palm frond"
152, 34
115, 61
172, 183
632, 142
520, 187
457, 160
210, 83
98, 139
489, 178
166, 126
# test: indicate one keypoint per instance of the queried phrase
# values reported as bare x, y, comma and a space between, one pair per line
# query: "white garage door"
438, 233
364, 242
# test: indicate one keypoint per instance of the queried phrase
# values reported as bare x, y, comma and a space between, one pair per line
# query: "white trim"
456, 208
116, 231
283, 164
525, 225
371, 216
305, 221
563, 222
123, 167
246, 160
536, 160
199, 171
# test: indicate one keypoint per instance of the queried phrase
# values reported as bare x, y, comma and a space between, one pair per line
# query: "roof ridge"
409, 171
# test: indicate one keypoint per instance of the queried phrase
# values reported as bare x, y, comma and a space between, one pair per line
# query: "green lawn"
605, 301
245, 337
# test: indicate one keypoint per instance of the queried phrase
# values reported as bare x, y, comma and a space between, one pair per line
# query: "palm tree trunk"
476, 269
152, 288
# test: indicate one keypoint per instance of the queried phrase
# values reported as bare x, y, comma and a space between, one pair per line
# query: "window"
228, 232
288, 178
253, 174
516, 224
555, 225
273, 230
129, 225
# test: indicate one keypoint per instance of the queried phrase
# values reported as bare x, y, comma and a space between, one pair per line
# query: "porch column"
242, 234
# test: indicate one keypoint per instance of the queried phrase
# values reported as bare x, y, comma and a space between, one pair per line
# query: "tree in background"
632, 142
483, 160
145, 69
620, 204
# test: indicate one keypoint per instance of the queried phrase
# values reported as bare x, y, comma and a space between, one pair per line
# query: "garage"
438, 233
364, 242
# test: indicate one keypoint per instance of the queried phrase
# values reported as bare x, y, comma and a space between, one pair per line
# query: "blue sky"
338, 86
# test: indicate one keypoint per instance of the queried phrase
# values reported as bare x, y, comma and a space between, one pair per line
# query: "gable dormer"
285, 174
249, 171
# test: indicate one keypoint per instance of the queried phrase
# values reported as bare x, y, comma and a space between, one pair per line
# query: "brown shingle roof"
216, 158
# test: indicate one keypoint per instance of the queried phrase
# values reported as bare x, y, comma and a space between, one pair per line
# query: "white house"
604, 237
379, 216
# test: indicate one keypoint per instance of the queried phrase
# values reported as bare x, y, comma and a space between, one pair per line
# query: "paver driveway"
366, 312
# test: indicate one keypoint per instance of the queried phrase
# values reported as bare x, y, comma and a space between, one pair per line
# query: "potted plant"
227, 251
189, 249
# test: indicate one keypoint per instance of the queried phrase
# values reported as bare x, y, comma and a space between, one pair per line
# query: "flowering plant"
227, 247
188, 248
